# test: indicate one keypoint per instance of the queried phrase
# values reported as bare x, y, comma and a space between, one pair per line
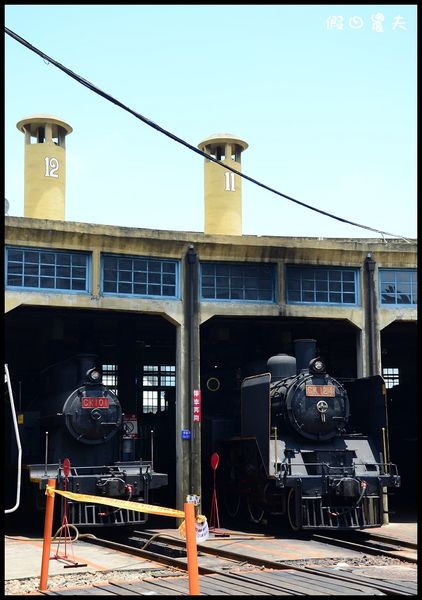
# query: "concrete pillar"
188, 449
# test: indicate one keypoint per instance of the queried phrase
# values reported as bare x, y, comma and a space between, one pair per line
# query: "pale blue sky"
329, 114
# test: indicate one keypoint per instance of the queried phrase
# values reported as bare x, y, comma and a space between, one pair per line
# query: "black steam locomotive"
77, 437
298, 452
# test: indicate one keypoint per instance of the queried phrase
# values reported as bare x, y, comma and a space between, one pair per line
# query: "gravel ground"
30, 585
394, 568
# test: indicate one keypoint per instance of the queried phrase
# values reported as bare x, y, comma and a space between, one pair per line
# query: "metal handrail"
18, 441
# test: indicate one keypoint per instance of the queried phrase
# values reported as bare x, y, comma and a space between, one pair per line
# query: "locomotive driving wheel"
230, 489
292, 511
232, 502
255, 509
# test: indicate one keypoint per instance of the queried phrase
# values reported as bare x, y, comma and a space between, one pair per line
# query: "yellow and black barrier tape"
135, 506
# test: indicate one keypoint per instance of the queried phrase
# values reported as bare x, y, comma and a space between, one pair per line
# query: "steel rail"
399, 588
369, 548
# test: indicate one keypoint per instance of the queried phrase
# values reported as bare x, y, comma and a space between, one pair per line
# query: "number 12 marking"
51, 166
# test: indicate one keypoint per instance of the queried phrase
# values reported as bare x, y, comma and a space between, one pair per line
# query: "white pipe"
18, 441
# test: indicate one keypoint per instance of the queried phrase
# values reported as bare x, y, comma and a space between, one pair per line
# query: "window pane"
125, 288
398, 287
223, 293
140, 277
125, 264
47, 282
150, 277
78, 260
238, 282
63, 272
294, 296
321, 296
154, 290
15, 280
169, 290
63, 284
348, 298
78, 284
320, 285
154, 266
38, 267
31, 257
15, 255
30, 282
140, 288
110, 286
45, 270
63, 260
33, 269
208, 292
265, 295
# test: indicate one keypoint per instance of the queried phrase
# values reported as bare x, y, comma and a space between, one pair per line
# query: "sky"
325, 96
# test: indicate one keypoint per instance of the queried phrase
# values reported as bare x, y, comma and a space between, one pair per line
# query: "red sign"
66, 467
327, 391
215, 458
97, 402
130, 427
197, 406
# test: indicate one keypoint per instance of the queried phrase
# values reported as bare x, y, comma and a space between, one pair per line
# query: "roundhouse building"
180, 318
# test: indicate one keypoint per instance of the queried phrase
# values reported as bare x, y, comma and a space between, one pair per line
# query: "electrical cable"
157, 127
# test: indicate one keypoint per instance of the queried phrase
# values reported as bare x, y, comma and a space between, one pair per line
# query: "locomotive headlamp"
316, 366
93, 375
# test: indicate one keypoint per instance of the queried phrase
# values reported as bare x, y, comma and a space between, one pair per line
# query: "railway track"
405, 551
223, 572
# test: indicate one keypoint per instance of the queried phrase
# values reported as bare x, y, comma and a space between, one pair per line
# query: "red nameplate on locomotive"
97, 402
321, 390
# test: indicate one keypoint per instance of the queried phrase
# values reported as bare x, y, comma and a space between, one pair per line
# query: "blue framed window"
133, 275
234, 281
41, 269
398, 287
321, 285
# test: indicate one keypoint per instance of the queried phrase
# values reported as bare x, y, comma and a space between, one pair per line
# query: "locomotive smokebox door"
92, 418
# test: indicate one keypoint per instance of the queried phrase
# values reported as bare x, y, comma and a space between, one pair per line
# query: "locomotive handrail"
18, 441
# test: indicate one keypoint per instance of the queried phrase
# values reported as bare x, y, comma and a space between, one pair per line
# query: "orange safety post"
48, 528
191, 550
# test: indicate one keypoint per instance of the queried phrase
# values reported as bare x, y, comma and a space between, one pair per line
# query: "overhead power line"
95, 89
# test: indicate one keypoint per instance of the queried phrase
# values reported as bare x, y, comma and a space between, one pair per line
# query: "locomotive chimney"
45, 166
305, 351
223, 188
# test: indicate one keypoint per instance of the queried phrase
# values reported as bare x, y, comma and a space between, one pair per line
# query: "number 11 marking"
229, 177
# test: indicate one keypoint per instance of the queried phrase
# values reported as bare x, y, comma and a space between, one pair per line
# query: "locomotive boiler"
298, 452
77, 438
